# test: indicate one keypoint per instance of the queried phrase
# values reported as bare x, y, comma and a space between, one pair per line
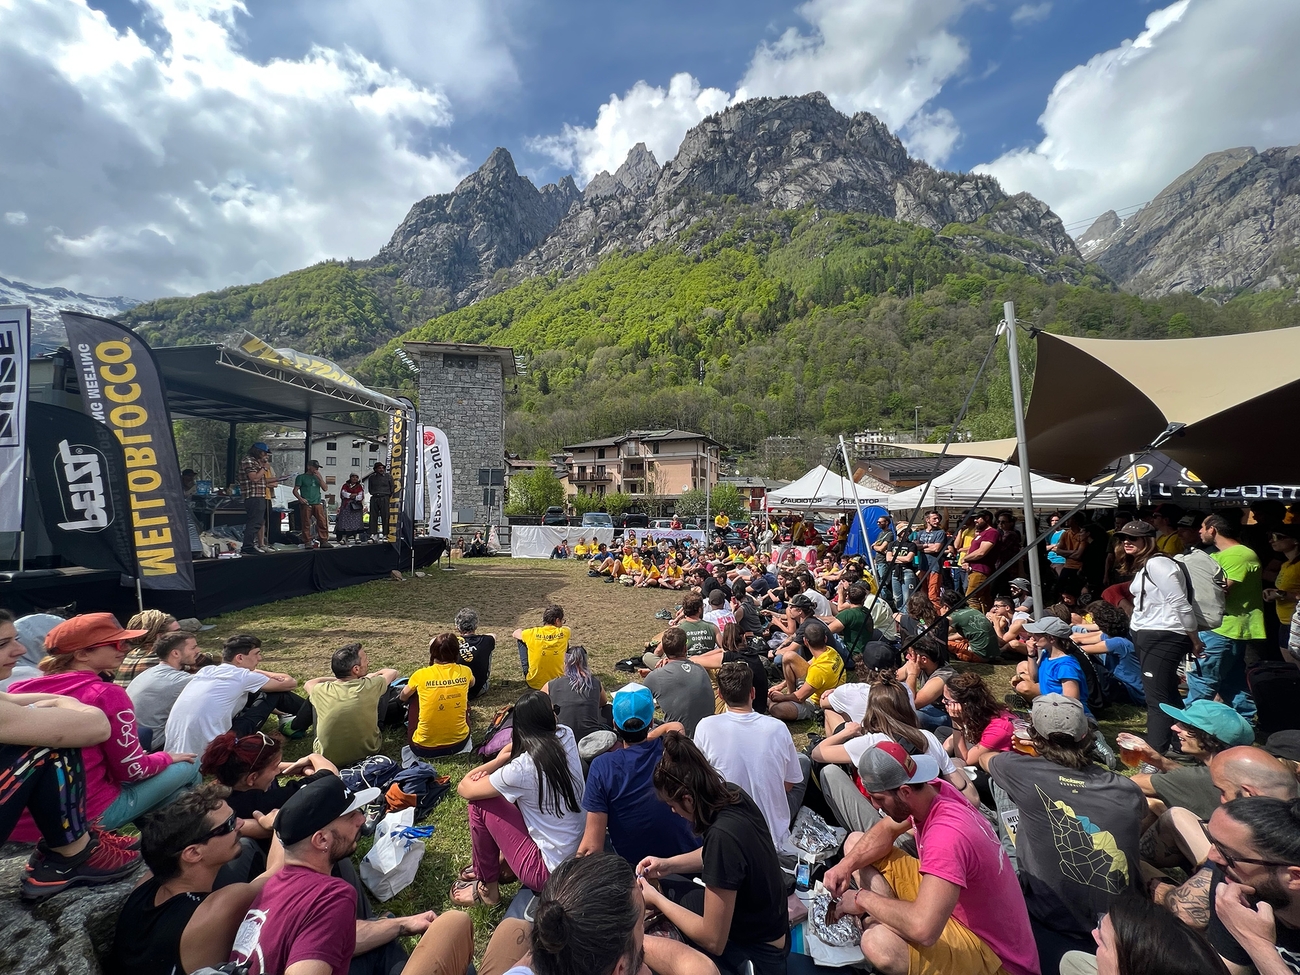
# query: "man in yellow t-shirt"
542, 648
1165, 519
580, 550
443, 689
798, 696
721, 523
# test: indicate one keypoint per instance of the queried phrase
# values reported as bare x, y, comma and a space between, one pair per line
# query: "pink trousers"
496, 830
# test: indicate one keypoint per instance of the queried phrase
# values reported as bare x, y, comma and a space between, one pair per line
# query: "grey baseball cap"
1050, 625
1056, 714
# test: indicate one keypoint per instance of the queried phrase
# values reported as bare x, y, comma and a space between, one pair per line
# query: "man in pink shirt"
957, 910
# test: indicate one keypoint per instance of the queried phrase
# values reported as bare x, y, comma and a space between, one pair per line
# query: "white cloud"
1030, 13
886, 57
1204, 75
189, 165
15, 218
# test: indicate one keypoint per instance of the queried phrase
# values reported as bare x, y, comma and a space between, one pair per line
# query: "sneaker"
289, 731
663, 614
249, 551
98, 863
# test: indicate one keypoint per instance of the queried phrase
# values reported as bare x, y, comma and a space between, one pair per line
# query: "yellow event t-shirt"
444, 704
826, 672
579, 551
546, 648
1170, 544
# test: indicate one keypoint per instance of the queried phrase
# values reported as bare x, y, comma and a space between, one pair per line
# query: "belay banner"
122, 389
437, 475
79, 479
15, 331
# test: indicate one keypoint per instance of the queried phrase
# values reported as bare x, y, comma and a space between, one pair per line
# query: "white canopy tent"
822, 490
962, 486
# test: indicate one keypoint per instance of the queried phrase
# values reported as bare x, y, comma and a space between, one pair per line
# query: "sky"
156, 147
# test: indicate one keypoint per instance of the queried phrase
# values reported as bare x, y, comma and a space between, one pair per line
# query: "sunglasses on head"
267, 742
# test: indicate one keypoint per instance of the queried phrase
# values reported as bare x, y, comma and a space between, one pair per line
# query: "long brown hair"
978, 706
684, 771
890, 712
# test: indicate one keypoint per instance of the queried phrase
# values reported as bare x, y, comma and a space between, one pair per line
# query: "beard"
1271, 892
342, 848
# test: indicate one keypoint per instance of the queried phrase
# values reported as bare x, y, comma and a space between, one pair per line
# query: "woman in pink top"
123, 781
980, 725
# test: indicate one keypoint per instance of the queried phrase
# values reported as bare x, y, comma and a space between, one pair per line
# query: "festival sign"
437, 475
402, 430
122, 388
15, 333
80, 487
291, 358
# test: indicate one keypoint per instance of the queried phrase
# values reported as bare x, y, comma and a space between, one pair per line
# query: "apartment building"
642, 463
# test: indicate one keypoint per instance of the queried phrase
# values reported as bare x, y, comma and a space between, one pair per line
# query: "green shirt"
347, 718
976, 628
701, 636
858, 628
1243, 616
308, 487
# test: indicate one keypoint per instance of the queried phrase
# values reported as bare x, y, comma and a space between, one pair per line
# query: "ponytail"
586, 916
230, 758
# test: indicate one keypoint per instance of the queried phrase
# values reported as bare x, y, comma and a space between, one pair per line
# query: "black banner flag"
122, 388
403, 456
80, 485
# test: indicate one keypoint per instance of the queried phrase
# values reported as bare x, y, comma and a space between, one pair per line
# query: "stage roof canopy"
214, 382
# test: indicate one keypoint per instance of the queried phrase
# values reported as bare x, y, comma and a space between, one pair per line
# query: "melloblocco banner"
122, 388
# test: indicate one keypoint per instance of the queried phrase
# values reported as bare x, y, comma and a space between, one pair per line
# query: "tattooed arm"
1190, 903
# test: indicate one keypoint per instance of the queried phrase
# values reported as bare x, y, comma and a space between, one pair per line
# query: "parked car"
555, 516
635, 519
597, 519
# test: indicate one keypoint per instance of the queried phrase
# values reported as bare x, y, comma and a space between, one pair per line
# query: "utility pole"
916, 436
1018, 404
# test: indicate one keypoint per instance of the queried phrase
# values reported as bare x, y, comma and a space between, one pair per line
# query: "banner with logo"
420, 508
293, 359
122, 388
79, 478
437, 475
15, 335
401, 444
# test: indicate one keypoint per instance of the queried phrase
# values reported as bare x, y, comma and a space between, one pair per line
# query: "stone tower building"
462, 392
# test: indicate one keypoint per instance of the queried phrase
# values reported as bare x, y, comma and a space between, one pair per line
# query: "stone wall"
467, 402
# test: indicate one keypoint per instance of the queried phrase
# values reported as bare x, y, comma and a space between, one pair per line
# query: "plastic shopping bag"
393, 860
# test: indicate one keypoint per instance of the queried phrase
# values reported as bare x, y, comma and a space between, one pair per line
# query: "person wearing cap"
306, 915
154, 623
798, 696
381, 486
959, 908
154, 692
308, 488
1163, 626
1020, 595
620, 795
1284, 588
123, 781
1077, 837
1164, 518
42, 737
257, 486
1055, 670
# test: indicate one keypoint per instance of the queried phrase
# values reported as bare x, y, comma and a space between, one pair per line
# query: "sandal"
467, 874
476, 894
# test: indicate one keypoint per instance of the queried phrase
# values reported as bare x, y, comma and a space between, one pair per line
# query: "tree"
617, 503
727, 497
532, 493
690, 504
583, 503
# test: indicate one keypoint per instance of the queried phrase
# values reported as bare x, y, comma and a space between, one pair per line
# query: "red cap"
86, 631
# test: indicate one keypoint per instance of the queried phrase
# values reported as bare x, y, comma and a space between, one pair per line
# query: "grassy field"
394, 622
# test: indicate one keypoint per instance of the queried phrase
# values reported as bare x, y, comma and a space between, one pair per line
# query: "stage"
221, 585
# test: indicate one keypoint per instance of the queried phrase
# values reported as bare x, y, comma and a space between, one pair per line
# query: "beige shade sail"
998, 450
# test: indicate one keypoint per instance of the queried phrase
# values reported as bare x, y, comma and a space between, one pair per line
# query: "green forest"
751, 324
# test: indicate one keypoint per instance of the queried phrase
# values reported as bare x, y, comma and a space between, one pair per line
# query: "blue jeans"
902, 583
523, 656
1221, 671
138, 798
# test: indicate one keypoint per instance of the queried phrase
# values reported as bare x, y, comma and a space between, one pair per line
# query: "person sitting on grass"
541, 648
525, 806
475, 649
1137, 937
176, 919
443, 689
959, 908
796, 698
41, 741
620, 795
925, 673
980, 724
1055, 670
681, 687
141, 656
671, 576
970, 634
123, 782
740, 916
1105, 639
1008, 626
346, 706
154, 692
580, 700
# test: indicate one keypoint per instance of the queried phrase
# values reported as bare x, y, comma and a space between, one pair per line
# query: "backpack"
1206, 585
498, 731
420, 786
375, 772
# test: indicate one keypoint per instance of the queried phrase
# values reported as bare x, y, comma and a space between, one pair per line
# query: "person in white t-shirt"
848, 702
234, 694
719, 613
154, 691
755, 752
525, 806
889, 717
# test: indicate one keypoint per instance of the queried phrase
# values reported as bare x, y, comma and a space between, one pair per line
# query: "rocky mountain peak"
637, 176
1101, 230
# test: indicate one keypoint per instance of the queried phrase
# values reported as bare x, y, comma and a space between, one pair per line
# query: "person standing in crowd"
1285, 588
346, 706
1164, 518
1163, 627
884, 539
348, 523
978, 560
620, 795
257, 483
542, 648
381, 486
1071, 546
1220, 670
932, 541
958, 908
154, 623
740, 917
308, 488
153, 693
122, 781
1054, 558
43, 776
901, 558
443, 689
681, 687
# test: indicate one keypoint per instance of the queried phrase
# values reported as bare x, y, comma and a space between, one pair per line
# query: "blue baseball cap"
262, 447
1215, 719
634, 708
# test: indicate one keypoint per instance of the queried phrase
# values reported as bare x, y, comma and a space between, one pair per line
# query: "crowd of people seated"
984, 834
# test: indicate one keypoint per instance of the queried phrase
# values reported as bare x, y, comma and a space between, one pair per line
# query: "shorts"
959, 951
807, 712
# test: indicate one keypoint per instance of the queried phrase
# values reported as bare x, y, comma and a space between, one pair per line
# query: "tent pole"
1018, 403
862, 526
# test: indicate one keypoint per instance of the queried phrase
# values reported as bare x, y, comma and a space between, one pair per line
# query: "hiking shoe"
289, 731
663, 614
98, 863
116, 840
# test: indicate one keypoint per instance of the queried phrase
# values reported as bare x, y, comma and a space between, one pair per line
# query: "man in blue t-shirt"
620, 794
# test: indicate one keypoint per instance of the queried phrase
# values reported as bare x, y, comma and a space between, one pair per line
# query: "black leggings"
51, 783
1159, 653
260, 706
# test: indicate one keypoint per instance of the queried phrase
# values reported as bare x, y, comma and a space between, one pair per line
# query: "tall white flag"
437, 475
15, 332
419, 477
